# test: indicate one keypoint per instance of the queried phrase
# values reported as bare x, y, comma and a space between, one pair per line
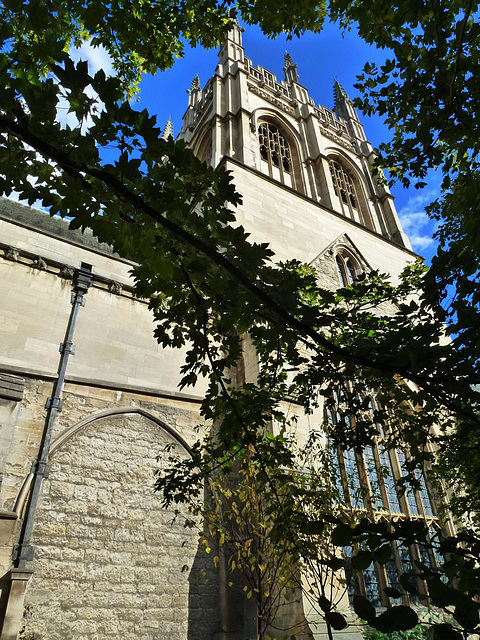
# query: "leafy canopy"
211, 289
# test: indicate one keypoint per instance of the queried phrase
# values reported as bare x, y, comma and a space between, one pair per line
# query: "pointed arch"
340, 262
349, 187
349, 268
101, 531
71, 431
279, 148
203, 146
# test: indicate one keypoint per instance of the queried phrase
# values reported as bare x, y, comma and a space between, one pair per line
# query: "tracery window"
275, 152
368, 481
345, 190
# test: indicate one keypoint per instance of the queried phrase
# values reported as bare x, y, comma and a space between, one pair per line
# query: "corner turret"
345, 110
232, 48
194, 93
194, 97
290, 69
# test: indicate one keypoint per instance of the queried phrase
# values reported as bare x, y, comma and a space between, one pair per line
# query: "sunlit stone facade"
110, 561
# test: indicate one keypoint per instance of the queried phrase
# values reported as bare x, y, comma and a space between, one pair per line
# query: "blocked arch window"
276, 153
345, 190
204, 151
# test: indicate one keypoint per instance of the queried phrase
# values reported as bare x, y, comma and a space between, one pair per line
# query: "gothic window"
368, 480
354, 487
389, 482
347, 267
345, 190
275, 153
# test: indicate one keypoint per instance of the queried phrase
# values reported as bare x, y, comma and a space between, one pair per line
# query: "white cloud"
418, 227
415, 222
97, 58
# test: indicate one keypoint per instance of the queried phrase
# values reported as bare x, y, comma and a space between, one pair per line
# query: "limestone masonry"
109, 561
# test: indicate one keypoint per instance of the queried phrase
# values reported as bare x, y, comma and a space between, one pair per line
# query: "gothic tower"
86, 549
304, 171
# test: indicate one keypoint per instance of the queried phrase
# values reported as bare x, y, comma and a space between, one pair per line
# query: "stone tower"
303, 170
95, 555
304, 173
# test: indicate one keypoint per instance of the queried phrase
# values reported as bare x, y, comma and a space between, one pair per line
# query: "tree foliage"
211, 289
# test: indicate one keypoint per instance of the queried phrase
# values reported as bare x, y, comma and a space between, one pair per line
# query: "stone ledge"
6, 514
97, 383
11, 387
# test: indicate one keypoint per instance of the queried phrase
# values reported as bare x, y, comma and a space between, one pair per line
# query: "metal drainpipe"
23, 552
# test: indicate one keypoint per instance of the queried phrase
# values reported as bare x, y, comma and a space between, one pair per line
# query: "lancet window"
345, 190
348, 268
275, 153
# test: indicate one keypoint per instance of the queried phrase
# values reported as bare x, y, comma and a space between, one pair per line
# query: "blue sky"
320, 58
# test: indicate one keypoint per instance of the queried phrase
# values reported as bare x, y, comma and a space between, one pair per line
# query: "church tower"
304, 171
87, 550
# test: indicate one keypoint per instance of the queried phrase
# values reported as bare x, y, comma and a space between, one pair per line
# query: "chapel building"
87, 551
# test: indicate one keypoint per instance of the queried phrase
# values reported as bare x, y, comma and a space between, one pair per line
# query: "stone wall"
111, 561
296, 227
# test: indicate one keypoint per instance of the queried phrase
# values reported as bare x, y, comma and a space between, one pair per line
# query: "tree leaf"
400, 618
445, 631
391, 592
342, 535
364, 608
336, 620
362, 560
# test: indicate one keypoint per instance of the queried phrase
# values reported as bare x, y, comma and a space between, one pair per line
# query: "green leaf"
408, 583
383, 554
445, 631
400, 618
342, 536
314, 528
364, 608
440, 593
362, 560
336, 620
466, 613
391, 592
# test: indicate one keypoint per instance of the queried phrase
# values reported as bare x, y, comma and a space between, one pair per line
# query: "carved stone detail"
115, 287
40, 264
341, 141
11, 253
66, 272
267, 96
